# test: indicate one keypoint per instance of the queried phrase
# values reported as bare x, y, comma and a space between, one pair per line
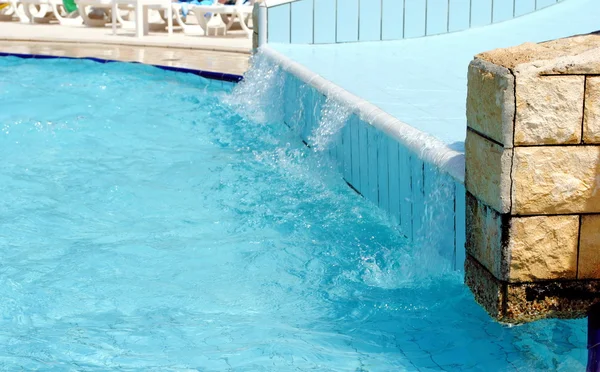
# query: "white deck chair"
222, 17
243, 16
37, 11
85, 8
142, 16
7, 11
18, 9
56, 11
11, 10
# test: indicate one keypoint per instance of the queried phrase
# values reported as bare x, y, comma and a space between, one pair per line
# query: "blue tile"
318, 100
325, 21
392, 19
302, 22
335, 151
347, 145
356, 155
439, 217
298, 114
382, 171
279, 24
437, 17
307, 122
544, 3
347, 20
289, 99
414, 18
481, 13
372, 144
503, 10
524, 7
461, 231
339, 150
417, 196
394, 180
363, 139
459, 15
405, 185
370, 20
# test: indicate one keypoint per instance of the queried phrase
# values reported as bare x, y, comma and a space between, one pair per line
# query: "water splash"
260, 95
334, 116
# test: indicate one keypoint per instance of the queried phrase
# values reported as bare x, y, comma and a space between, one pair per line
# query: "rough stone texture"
556, 180
487, 172
589, 247
487, 290
490, 101
533, 195
555, 52
549, 108
484, 237
591, 121
527, 302
543, 247
555, 299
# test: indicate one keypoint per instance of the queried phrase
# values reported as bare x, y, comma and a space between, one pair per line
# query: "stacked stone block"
533, 179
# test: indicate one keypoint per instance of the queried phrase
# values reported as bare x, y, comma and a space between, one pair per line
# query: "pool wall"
416, 178
342, 21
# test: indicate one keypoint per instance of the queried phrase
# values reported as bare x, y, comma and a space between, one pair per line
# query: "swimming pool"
147, 224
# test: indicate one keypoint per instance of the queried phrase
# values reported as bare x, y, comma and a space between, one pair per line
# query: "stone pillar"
533, 179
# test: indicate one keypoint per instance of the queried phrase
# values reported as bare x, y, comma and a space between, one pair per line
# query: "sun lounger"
25, 12
48, 10
7, 10
37, 11
219, 17
85, 11
142, 7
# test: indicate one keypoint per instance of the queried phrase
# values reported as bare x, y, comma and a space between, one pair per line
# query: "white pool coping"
426, 146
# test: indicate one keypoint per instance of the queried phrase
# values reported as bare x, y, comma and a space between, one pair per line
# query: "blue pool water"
147, 225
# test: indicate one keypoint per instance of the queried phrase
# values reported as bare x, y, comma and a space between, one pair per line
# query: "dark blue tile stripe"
205, 74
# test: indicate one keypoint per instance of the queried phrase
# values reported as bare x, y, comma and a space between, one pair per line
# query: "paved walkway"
423, 82
206, 60
235, 41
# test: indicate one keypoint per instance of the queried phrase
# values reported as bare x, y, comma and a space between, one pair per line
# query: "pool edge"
212, 75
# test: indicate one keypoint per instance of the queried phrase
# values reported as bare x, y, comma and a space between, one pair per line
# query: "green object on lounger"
70, 5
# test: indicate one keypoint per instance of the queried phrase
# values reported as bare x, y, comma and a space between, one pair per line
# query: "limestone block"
589, 247
591, 121
491, 101
543, 247
487, 171
485, 237
556, 179
549, 108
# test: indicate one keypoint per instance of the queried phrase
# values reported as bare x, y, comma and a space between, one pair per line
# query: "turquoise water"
146, 225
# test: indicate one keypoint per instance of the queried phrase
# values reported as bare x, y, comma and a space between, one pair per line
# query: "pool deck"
423, 82
228, 54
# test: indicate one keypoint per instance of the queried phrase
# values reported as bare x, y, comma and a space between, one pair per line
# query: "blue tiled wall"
427, 205
339, 21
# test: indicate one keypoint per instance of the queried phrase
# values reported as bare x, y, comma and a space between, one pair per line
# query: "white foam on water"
334, 115
259, 97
